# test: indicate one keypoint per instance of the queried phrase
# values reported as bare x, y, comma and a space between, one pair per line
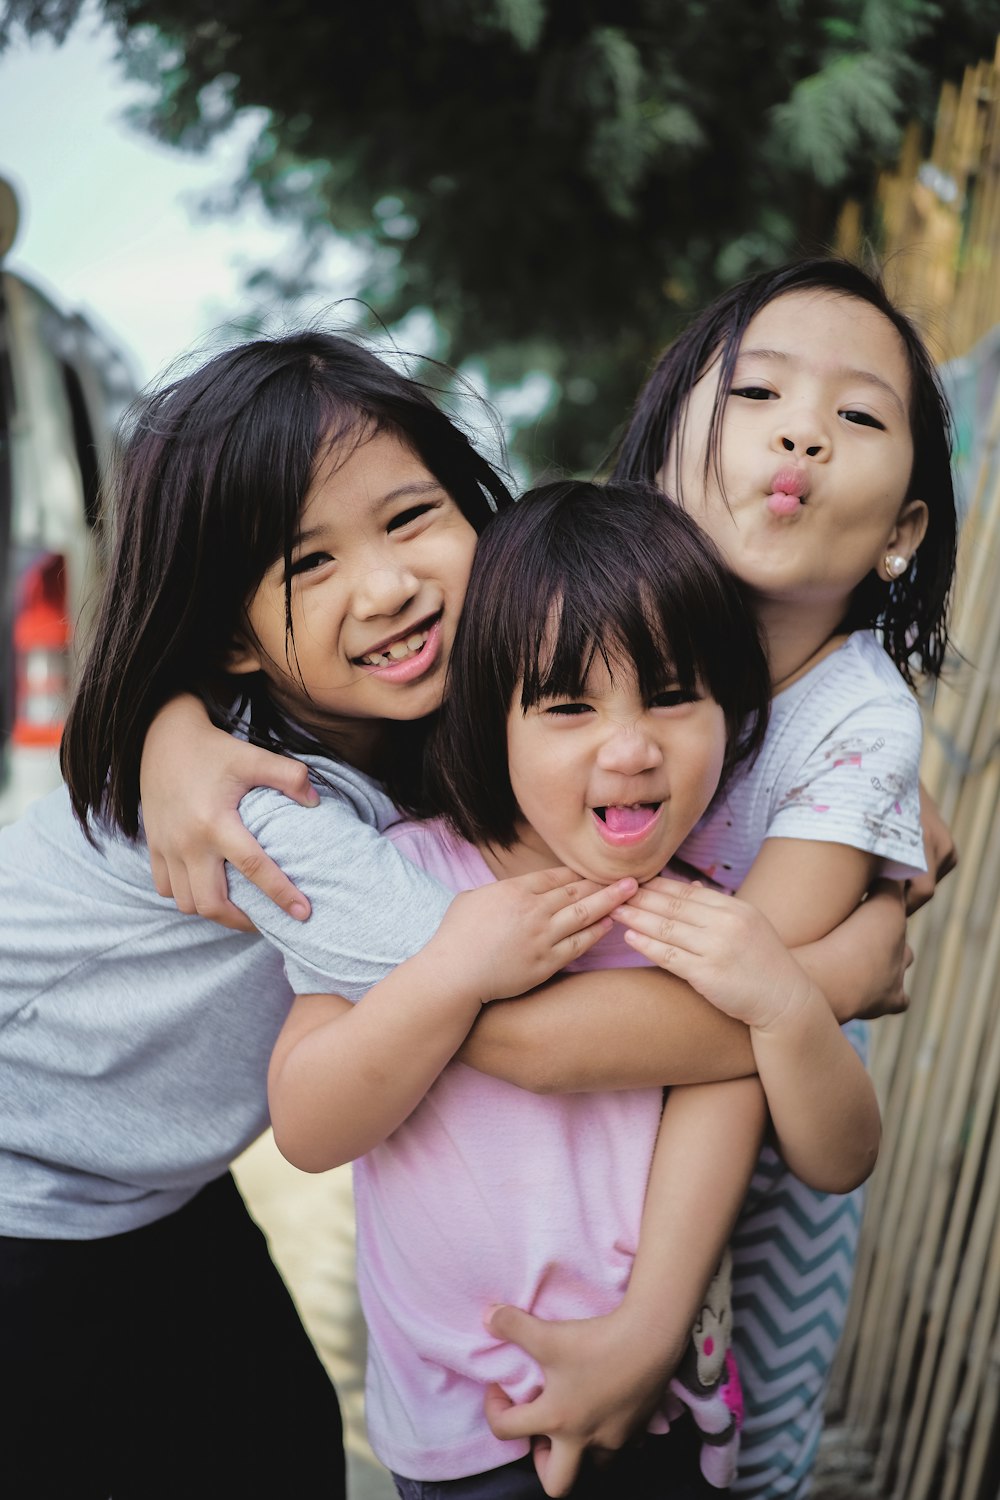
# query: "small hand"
939, 851
509, 937
876, 930
599, 1391
722, 946
191, 781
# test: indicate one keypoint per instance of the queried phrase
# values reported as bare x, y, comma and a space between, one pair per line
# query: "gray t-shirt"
134, 1040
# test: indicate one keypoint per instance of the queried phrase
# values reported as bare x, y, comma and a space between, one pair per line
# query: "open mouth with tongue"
626, 824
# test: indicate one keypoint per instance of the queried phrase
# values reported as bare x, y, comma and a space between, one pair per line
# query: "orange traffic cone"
41, 653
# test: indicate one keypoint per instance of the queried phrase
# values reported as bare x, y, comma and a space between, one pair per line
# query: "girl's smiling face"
815, 454
609, 783
378, 575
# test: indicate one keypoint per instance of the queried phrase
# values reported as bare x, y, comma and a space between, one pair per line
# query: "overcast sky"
109, 220
110, 224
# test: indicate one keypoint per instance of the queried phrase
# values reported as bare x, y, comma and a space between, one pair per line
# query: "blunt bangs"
577, 572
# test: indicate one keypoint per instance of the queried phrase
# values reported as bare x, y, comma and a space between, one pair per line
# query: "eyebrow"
413, 491
414, 488
842, 372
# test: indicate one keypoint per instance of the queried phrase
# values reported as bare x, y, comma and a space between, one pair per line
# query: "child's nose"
384, 591
628, 750
805, 435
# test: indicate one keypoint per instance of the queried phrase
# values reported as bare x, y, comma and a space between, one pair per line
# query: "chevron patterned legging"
793, 1263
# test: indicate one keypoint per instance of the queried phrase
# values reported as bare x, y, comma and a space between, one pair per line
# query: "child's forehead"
831, 334
794, 318
365, 466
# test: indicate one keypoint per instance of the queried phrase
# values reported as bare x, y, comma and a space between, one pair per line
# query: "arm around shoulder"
192, 777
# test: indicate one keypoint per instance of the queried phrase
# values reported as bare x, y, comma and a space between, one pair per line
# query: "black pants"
658, 1468
166, 1362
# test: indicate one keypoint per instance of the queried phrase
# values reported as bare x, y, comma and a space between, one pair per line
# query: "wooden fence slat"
917, 1381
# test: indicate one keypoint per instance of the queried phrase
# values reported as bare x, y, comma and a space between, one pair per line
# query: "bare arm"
585, 1032
605, 1376
602, 1377
343, 1077
861, 965
940, 853
576, 1035
609, 1029
821, 1100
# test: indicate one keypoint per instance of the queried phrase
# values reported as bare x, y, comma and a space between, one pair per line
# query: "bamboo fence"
915, 1395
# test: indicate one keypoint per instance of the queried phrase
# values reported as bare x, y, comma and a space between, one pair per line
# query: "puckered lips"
789, 488
406, 655
626, 823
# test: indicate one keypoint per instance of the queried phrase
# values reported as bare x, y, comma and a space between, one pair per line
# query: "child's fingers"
574, 909
247, 856
684, 894
574, 902
557, 1465
199, 891
578, 942
601, 903
576, 923
496, 1405
678, 929
161, 875
515, 1326
570, 891
260, 767
506, 1420
666, 956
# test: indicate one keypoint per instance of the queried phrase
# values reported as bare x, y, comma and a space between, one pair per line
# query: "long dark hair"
630, 579
911, 611
212, 475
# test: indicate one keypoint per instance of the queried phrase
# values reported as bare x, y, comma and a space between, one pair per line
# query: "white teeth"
397, 651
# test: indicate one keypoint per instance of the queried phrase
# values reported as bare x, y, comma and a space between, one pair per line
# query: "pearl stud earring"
895, 565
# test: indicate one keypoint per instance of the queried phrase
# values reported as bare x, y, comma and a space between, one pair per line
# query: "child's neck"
529, 853
797, 636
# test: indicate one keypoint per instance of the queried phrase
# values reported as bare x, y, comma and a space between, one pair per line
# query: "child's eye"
863, 419
309, 562
673, 698
405, 517
754, 393
567, 710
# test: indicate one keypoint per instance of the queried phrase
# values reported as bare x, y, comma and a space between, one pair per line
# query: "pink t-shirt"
488, 1194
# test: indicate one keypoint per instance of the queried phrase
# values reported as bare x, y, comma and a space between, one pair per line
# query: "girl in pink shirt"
606, 676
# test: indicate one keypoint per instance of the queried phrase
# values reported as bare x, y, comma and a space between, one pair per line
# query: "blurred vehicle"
63, 387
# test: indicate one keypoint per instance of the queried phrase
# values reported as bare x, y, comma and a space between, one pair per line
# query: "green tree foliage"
561, 181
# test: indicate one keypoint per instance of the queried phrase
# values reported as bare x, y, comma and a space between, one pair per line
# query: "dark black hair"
911, 611
213, 472
630, 578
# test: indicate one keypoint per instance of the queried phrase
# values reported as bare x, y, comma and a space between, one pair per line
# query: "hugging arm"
192, 778
940, 853
605, 1376
582, 1032
343, 1077
708, 1144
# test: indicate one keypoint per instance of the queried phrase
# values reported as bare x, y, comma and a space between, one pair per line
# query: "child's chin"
605, 874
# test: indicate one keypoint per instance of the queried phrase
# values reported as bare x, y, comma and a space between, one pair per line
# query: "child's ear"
906, 535
242, 656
